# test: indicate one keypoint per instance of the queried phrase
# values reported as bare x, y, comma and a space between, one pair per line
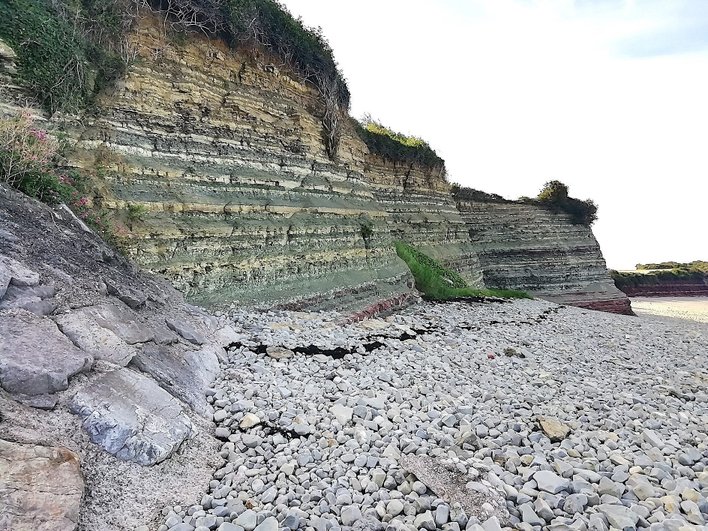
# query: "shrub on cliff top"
439, 283
394, 146
554, 196
696, 265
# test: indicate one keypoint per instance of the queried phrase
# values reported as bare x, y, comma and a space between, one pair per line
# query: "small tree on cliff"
553, 192
554, 195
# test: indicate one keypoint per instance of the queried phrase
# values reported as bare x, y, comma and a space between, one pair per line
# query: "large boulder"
185, 374
35, 357
131, 417
40, 488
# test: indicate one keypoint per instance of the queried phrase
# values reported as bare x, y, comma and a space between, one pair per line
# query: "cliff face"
212, 166
524, 246
222, 155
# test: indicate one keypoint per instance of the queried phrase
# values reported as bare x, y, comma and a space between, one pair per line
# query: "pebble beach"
483, 416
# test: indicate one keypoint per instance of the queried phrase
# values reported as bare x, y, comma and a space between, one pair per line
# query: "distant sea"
690, 308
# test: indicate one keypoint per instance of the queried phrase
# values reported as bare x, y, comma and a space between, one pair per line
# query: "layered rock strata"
212, 167
221, 155
527, 247
666, 287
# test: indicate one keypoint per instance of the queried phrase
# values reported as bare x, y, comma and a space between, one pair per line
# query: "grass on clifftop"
394, 146
438, 283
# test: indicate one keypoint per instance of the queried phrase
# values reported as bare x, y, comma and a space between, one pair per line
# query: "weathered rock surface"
185, 373
119, 319
83, 330
35, 357
131, 417
40, 488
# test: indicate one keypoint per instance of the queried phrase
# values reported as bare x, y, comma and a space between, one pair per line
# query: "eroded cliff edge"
222, 154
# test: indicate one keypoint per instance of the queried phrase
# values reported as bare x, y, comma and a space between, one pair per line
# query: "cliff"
211, 165
524, 246
224, 153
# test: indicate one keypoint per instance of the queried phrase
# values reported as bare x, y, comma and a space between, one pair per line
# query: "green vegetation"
136, 212
654, 274
436, 282
696, 265
62, 61
395, 146
30, 162
554, 196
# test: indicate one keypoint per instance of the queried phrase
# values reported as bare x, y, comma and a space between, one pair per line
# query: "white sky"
608, 96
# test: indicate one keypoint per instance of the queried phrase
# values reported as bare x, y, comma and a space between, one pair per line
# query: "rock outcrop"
41, 488
524, 246
111, 355
36, 359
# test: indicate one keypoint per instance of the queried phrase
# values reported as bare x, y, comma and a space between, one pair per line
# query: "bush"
24, 147
57, 59
29, 163
27, 158
436, 282
394, 146
696, 265
136, 212
554, 196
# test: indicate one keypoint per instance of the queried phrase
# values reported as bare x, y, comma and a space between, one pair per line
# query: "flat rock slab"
40, 488
35, 357
119, 319
132, 297
131, 417
186, 330
102, 343
185, 374
452, 486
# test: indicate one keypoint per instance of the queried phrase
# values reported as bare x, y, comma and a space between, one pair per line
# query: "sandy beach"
690, 308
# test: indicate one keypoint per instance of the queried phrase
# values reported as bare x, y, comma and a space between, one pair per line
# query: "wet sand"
690, 308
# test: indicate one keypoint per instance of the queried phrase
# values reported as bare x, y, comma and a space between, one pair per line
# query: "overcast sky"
608, 96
